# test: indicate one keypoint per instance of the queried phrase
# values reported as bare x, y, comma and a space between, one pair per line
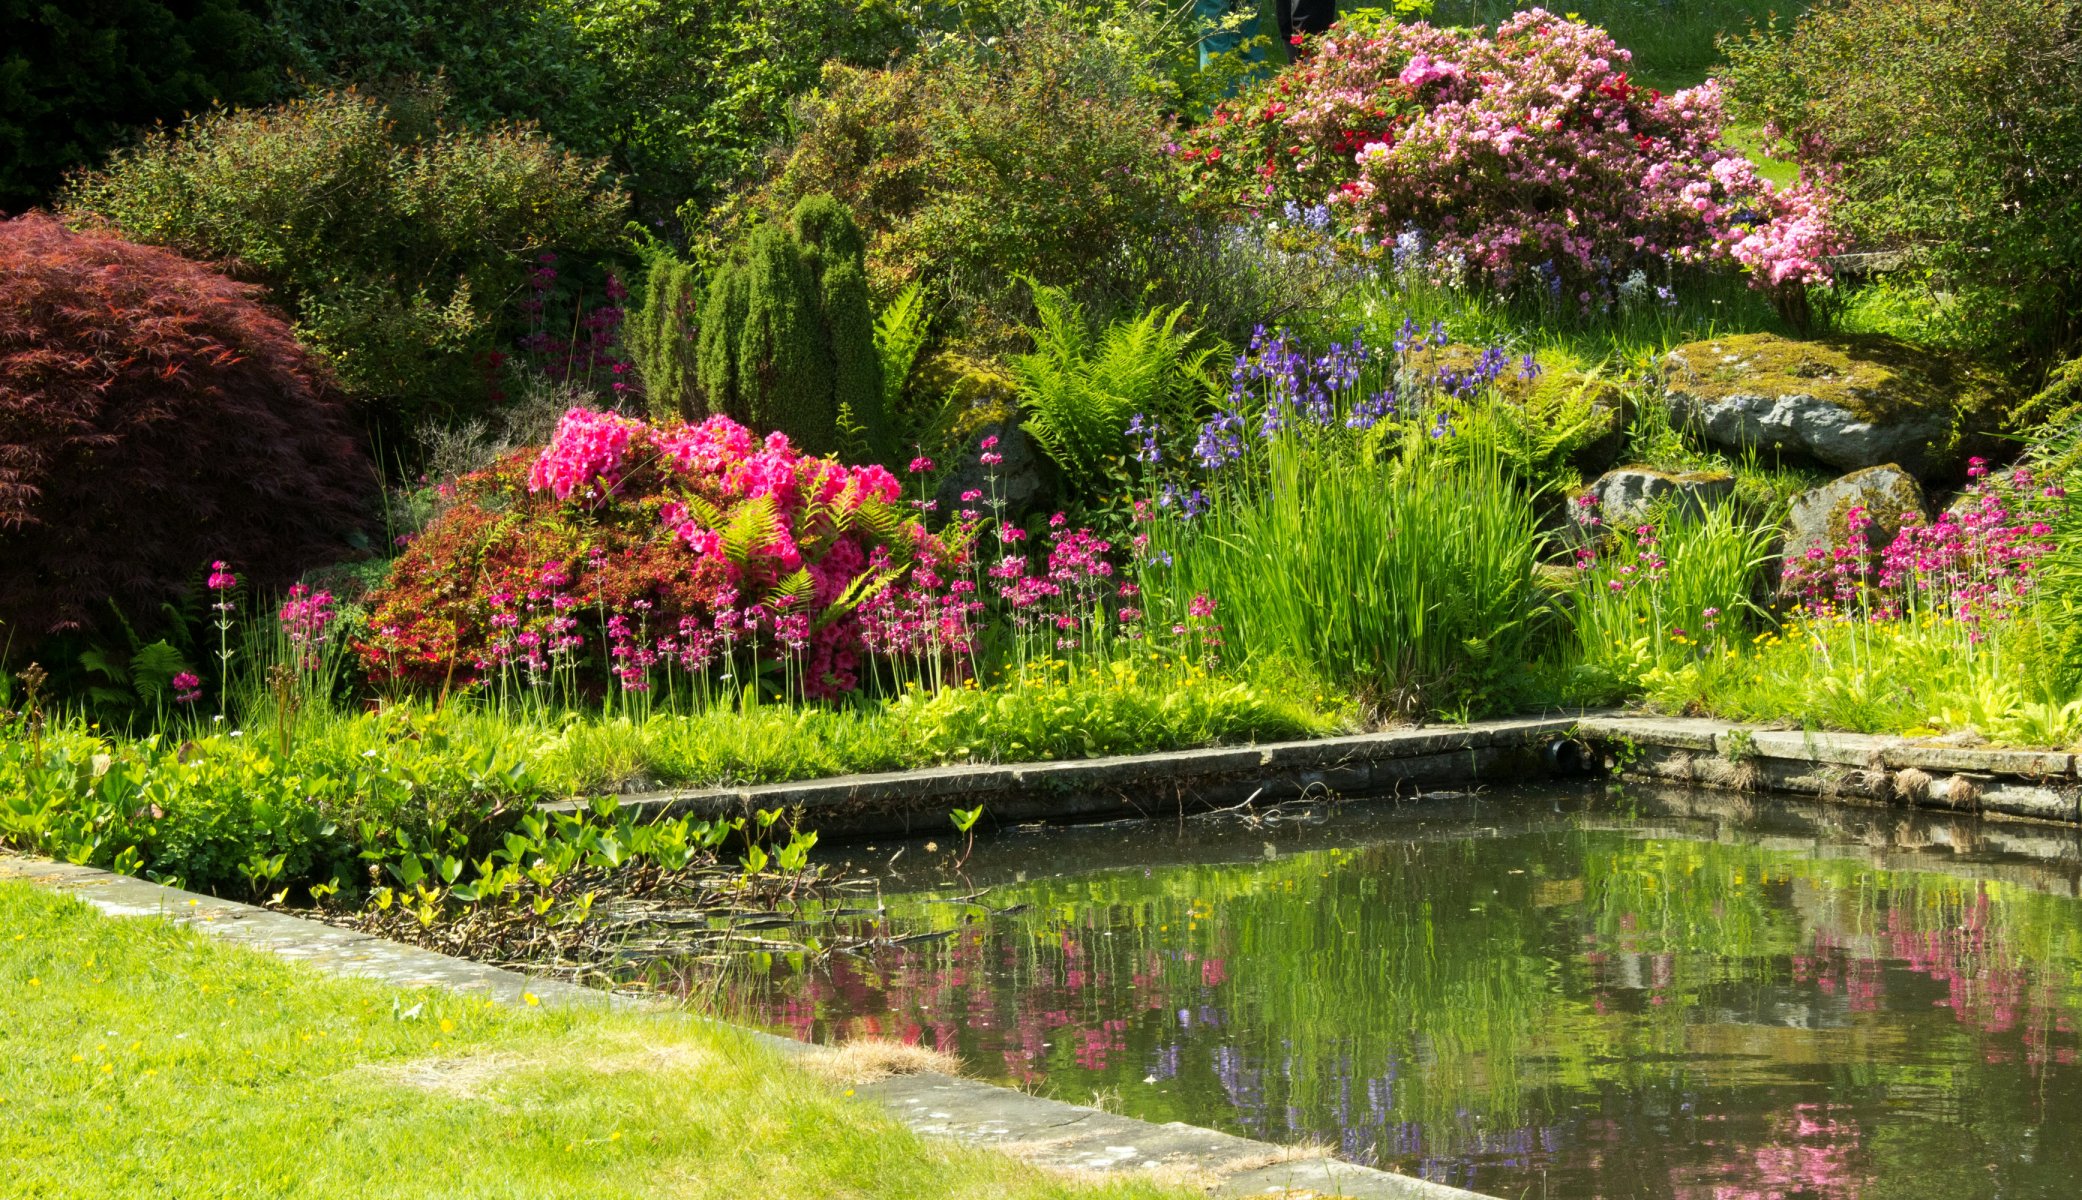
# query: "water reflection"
1550, 994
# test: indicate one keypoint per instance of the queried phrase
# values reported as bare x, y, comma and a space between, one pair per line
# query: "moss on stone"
1876, 379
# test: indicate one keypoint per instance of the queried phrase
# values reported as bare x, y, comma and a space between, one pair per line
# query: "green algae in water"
1547, 993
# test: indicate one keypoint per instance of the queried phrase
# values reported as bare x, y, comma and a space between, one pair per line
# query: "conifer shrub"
662, 335
154, 417
787, 337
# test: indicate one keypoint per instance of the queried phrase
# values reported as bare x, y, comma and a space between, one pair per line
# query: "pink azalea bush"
622, 552
1525, 159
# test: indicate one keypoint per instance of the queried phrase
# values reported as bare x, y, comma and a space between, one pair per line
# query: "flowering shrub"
153, 415
626, 550
1526, 159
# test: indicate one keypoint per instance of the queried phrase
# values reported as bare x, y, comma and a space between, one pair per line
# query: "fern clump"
625, 554
1081, 389
787, 337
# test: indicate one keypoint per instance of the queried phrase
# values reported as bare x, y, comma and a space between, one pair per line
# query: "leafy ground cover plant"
154, 415
1525, 160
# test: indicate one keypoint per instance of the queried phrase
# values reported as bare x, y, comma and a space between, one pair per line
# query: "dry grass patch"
870, 1059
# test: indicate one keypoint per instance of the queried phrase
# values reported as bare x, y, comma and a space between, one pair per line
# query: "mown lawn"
138, 1058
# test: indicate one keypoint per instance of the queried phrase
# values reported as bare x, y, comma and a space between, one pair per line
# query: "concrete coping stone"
1049, 1133
919, 788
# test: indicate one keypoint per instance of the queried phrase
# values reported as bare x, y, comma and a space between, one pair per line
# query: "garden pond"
1581, 991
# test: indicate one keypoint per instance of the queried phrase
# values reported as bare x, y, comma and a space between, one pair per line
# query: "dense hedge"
396, 238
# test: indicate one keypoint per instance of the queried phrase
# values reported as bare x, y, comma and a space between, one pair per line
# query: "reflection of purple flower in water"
1245, 1084
1164, 1063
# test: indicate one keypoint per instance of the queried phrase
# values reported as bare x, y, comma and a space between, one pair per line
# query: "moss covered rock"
1820, 519
1849, 403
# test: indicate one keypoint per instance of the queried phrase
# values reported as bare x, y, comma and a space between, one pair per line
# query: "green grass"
139, 1059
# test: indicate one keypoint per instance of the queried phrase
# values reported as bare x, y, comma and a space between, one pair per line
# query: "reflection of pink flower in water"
1810, 1158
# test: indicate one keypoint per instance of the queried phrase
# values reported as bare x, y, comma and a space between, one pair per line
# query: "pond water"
1584, 992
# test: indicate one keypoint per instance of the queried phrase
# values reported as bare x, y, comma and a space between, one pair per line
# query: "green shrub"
1947, 130
787, 336
394, 239
498, 60
662, 335
76, 79
1040, 153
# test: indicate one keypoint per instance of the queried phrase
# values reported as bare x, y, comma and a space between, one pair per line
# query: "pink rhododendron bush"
1521, 160
630, 555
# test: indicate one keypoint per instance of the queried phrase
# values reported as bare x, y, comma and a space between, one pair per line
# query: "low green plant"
307, 793
1897, 677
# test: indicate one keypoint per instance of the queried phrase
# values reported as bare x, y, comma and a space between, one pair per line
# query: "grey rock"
1026, 479
1629, 496
1848, 405
1820, 518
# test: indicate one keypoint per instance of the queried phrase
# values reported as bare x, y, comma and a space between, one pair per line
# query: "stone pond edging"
1048, 1133
1858, 768
1850, 767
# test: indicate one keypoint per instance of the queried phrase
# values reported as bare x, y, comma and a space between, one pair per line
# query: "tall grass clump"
1658, 595
1410, 580
1337, 519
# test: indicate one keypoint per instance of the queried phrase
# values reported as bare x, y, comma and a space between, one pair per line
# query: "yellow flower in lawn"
530, 998
447, 1026
36, 983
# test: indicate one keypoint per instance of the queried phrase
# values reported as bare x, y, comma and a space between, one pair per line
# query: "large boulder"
1859, 513
1627, 498
1025, 478
1849, 403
